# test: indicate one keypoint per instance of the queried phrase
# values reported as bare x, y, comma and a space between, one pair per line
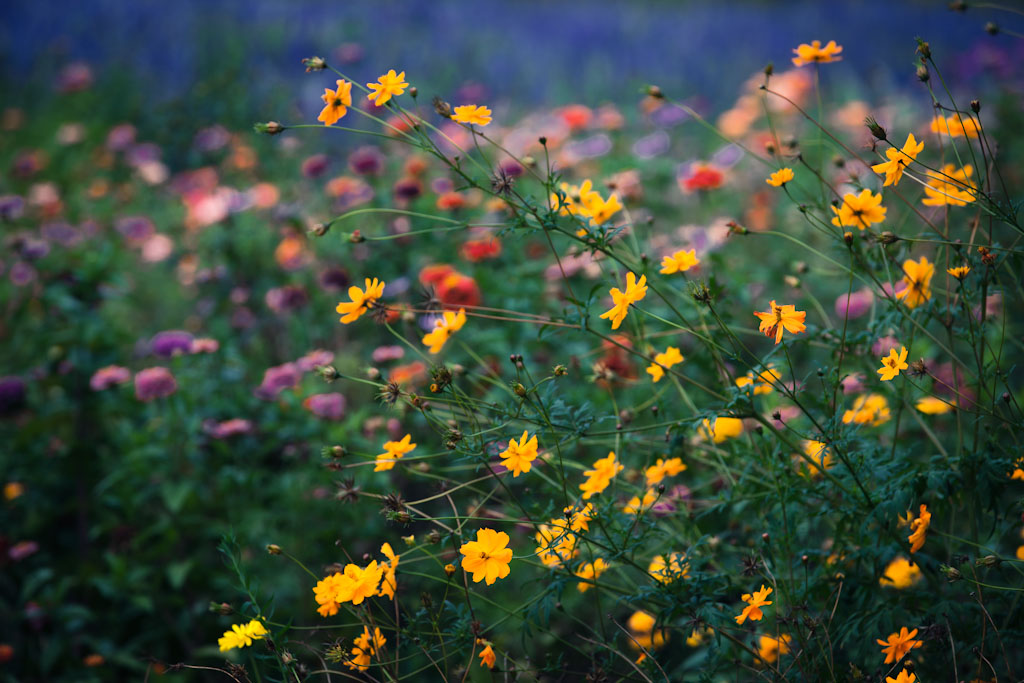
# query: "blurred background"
139, 209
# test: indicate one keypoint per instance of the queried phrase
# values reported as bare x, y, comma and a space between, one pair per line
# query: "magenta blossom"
153, 383
326, 406
112, 375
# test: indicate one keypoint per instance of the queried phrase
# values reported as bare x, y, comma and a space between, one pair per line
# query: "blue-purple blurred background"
526, 51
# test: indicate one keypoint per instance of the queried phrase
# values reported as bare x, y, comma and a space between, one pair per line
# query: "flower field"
394, 385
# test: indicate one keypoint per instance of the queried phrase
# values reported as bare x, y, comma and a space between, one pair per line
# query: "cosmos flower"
388, 85
662, 468
598, 478
679, 262
487, 657
816, 54
900, 573
242, 635
663, 361
892, 364
861, 210
336, 103
755, 602
487, 557
393, 451
519, 456
898, 160
917, 276
721, 429
592, 571
898, 645
635, 291
780, 318
667, 570
444, 327
780, 177
950, 186
870, 409
364, 647
930, 405
955, 126
472, 113
761, 382
361, 300
959, 272
769, 649
919, 529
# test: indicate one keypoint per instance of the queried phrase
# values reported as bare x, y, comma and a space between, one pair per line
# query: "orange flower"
816, 54
361, 300
780, 177
861, 210
892, 364
336, 103
679, 262
703, 177
601, 476
917, 276
519, 456
754, 604
780, 318
899, 644
488, 556
919, 528
951, 186
635, 291
898, 159
487, 657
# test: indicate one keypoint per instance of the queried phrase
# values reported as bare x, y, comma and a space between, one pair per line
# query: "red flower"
703, 177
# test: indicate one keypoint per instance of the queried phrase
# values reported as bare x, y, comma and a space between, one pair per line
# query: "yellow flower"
770, 649
336, 103
951, 186
663, 361
487, 657
892, 364
601, 476
780, 318
488, 556
762, 381
898, 159
667, 571
900, 573
663, 468
13, 490
242, 635
590, 570
361, 300
389, 584
519, 456
899, 644
960, 272
903, 677
697, 636
635, 291
929, 405
579, 518
393, 451
365, 646
862, 210
679, 262
601, 210
636, 505
780, 177
820, 454
576, 199
754, 604
919, 528
955, 126
722, 429
444, 327
816, 54
870, 409
644, 636
555, 545
472, 113
917, 276
388, 85
1018, 469
362, 582
326, 592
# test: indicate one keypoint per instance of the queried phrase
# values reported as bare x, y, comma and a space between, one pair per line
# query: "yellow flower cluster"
242, 635
585, 201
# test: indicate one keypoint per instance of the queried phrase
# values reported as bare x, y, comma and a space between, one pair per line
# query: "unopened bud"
320, 229
542, 140
924, 49
875, 129
356, 237
952, 574
975, 106
372, 373
338, 452
922, 73
449, 570
769, 69
519, 389
274, 549
888, 238
848, 238
269, 128
992, 28
792, 281
988, 561
442, 108
410, 540
222, 608
414, 91
560, 371
328, 373
314, 64
655, 92
765, 537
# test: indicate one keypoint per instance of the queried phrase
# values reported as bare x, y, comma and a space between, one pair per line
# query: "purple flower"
511, 168
314, 166
11, 207
12, 395
366, 160
407, 189
277, 379
326, 406
171, 343
314, 358
61, 233
104, 378
334, 280
287, 298
121, 137
856, 304
652, 145
22, 274
212, 138
135, 228
153, 383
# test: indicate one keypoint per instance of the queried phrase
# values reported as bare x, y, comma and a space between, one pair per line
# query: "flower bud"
414, 91
769, 69
320, 229
875, 129
373, 373
314, 64
988, 561
560, 371
992, 28
274, 549
975, 106
356, 237
848, 238
922, 73
442, 108
519, 389
952, 574
449, 570
410, 540
655, 92
222, 608
434, 537
924, 49
269, 128
328, 373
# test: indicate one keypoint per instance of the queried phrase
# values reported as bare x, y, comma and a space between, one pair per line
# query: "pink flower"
104, 378
228, 428
205, 345
155, 382
326, 406
884, 345
857, 304
277, 379
314, 358
21, 550
383, 354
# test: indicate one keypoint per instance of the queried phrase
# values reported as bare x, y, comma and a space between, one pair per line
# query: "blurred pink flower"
74, 77
171, 343
856, 304
228, 428
155, 382
884, 345
277, 379
854, 384
22, 549
104, 378
326, 406
157, 248
383, 354
205, 345
314, 358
